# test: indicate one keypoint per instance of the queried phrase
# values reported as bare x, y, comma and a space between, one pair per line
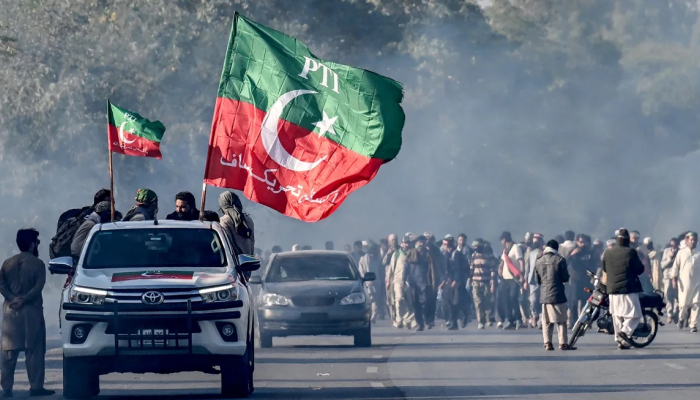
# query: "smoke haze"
523, 116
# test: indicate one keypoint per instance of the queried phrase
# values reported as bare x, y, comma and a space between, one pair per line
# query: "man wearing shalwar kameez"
686, 277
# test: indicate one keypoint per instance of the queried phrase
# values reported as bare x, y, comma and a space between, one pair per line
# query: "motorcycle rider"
622, 267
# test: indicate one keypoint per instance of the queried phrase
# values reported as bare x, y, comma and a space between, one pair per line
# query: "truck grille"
313, 301
170, 295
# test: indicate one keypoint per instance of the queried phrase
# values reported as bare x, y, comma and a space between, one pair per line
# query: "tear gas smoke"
524, 115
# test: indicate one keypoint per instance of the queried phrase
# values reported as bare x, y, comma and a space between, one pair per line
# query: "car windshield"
134, 248
311, 268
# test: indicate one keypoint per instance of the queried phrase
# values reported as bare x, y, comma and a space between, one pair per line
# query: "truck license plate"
153, 332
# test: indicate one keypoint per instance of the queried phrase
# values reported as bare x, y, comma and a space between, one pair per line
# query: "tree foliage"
526, 114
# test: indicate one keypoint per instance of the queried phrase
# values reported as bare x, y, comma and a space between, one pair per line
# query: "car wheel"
237, 374
364, 337
265, 340
80, 381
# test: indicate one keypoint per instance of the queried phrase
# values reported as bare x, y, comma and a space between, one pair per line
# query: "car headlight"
271, 299
219, 293
81, 295
353, 298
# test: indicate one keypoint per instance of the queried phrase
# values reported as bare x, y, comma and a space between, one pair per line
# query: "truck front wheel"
80, 381
237, 374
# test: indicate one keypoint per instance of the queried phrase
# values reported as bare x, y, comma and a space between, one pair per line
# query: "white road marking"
377, 385
674, 366
377, 356
642, 352
372, 370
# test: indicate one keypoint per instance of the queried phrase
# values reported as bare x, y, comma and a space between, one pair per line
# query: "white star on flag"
131, 130
325, 125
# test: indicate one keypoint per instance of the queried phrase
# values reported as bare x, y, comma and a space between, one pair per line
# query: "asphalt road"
436, 364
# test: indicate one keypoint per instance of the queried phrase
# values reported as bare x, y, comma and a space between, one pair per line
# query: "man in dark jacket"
622, 267
146, 207
101, 215
581, 259
551, 274
185, 208
420, 278
454, 285
439, 268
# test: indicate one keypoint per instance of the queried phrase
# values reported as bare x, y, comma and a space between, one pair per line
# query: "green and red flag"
132, 134
294, 132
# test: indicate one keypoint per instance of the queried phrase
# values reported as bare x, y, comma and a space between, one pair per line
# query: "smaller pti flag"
132, 134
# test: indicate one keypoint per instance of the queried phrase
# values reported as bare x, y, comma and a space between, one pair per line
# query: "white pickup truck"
158, 297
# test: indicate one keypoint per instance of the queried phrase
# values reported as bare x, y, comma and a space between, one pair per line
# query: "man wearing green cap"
146, 207
685, 276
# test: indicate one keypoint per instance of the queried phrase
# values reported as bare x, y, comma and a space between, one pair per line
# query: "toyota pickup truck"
156, 297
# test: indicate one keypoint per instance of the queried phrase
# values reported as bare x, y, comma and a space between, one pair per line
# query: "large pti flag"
294, 132
132, 134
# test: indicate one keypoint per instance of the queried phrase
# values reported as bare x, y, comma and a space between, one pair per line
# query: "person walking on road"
686, 278
483, 277
403, 316
551, 274
22, 279
531, 256
669, 289
420, 277
455, 283
510, 270
372, 262
623, 266
387, 256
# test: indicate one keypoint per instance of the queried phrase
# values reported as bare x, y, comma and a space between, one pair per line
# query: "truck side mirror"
61, 266
248, 263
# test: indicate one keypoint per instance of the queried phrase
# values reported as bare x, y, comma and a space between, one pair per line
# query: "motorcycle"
597, 310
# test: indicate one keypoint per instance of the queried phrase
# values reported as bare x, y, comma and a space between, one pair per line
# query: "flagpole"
111, 170
111, 177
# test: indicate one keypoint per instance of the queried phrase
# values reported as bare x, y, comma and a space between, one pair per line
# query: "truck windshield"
155, 248
311, 268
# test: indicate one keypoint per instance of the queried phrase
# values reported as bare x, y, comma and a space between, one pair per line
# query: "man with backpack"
101, 215
70, 221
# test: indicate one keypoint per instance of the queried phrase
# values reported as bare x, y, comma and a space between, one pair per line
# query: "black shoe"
548, 346
622, 346
6, 394
41, 392
464, 323
420, 329
567, 347
624, 338
452, 327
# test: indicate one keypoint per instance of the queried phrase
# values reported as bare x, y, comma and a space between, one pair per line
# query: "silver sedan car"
313, 293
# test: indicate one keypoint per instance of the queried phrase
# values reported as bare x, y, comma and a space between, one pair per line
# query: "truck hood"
126, 278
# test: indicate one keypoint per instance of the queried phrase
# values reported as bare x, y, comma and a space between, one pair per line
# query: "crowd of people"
422, 279
531, 283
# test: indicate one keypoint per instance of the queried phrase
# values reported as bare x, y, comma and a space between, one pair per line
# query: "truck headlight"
272, 299
81, 295
353, 298
219, 293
